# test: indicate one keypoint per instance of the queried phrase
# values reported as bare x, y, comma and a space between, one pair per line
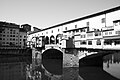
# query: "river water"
111, 64
14, 68
28, 68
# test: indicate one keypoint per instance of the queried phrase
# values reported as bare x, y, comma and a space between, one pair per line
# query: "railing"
108, 28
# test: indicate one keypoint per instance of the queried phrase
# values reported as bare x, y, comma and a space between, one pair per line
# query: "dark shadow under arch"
52, 60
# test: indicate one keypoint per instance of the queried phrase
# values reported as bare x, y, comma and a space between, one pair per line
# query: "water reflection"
70, 73
25, 68
14, 68
111, 64
96, 67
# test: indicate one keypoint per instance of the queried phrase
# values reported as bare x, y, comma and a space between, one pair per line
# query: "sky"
47, 13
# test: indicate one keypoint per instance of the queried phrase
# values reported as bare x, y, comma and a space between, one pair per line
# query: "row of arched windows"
47, 40
52, 39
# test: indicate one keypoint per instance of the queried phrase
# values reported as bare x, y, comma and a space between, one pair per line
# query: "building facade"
91, 31
12, 36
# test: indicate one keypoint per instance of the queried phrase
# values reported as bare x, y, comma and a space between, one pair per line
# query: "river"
28, 68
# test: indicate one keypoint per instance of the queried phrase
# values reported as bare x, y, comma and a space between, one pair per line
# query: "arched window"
58, 37
52, 40
47, 40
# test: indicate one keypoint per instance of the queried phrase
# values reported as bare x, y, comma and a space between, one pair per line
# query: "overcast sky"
47, 13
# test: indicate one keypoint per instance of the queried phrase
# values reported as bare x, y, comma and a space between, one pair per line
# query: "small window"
103, 20
106, 33
99, 34
10, 29
83, 30
87, 24
77, 30
52, 31
89, 42
90, 34
3, 42
58, 30
96, 34
65, 28
108, 42
98, 42
117, 32
3, 35
75, 26
110, 32
83, 42
82, 36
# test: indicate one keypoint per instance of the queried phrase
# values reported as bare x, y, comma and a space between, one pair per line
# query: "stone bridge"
53, 58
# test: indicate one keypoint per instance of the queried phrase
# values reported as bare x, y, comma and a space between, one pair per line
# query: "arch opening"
52, 40
96, 63
47, 40
58, 37
52, 60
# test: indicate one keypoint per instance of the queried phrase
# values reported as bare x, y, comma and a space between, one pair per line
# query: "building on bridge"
98, 31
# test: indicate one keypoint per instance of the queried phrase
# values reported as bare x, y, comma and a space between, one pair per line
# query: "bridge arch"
52, 61
91, 60
92, 64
